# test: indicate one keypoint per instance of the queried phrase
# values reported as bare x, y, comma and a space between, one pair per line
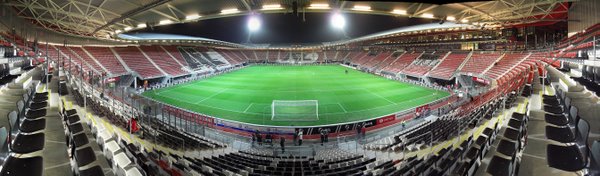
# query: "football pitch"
246, 95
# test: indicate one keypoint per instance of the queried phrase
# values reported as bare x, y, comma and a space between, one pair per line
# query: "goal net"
295, 110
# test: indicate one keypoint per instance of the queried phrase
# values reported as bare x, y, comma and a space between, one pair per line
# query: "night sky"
287, 28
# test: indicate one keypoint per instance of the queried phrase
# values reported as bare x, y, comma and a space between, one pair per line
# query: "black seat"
30, 126
499, 167
507, 148
23, 166
511, 134
38, 105
73, 119
564, 134
84, 156
34, 114
595, 158
573, 157
79, 140
75, 128
561, 119
28, 143
92, 171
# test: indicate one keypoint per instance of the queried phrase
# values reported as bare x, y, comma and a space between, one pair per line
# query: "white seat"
133, 171
120, 162
111, 149
104, 137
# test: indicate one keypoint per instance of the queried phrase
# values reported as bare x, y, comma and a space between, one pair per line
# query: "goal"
295, 110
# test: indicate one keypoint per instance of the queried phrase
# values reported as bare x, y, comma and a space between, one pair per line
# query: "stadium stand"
480, 62
272, 56
163, 60
139, 63
67, 54
80, 53
174, 52
420, 66
381, 57
191, 58
401, 63
261, 55
106, 57
448, 66
505, 64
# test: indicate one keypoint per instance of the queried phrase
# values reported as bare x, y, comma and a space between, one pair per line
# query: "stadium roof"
104, 18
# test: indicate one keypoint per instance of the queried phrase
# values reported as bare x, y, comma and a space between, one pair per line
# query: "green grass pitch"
246, 95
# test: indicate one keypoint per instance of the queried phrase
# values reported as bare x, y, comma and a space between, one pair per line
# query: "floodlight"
253, 24
229, 11
338, 21
163, 22
192, 17
272, 7
427, 15
399, 12
361, 8
318, 6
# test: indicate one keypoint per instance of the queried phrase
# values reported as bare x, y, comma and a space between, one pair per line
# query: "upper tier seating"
191, 60
230, 56
422, 65
74, 58
446, 69
107, 59
329, 55
479, 62
175, 53
86, 58
378, 59
163, 60
249, 55
138, 62
402, 62
504, 65
273, 56
261, 55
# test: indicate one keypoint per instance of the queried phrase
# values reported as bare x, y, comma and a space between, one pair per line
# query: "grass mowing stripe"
246, 95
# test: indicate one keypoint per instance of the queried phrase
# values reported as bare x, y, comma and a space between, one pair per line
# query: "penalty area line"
342, 107
248, 107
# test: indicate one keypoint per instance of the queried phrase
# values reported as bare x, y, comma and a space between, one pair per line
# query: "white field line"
380, 96
213, 95
342, 107
248, 107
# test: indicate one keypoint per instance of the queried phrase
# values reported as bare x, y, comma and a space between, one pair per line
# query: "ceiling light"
464, 21
141, 25
361, 8
118, 31
451, 18
319, 6
427, 15
192, 17
163, 22
399, 12
127, 28
229, 11
272, 7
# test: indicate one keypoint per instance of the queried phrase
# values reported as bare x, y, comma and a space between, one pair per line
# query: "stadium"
299, 87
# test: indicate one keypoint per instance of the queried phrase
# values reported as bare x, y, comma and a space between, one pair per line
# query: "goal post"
295, 110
